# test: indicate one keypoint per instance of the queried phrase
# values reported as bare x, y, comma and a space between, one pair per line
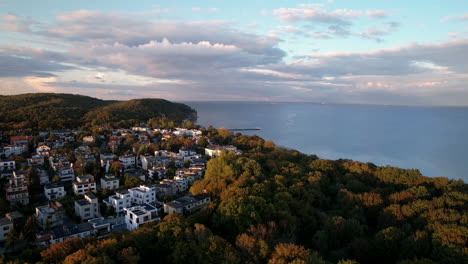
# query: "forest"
272, 205
46, 111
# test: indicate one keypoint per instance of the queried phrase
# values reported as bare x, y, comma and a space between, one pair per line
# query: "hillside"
60, 111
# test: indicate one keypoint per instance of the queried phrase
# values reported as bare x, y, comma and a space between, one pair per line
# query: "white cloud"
455, 18
315, 13
377, 13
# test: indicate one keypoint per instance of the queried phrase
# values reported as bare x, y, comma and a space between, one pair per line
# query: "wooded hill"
65, 111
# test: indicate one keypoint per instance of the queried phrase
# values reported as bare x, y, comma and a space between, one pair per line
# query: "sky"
333, 51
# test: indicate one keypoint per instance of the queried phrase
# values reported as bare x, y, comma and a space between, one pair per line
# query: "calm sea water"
431, 139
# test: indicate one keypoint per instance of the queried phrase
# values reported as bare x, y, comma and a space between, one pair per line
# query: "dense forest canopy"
65, 111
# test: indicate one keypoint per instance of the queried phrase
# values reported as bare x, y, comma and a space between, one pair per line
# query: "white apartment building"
139, 215
88, 207
54, 190
6, 226
83, 184
7, 165
120, 200
66, 174
128, 160
109, 182
50, 215
187, 204
143, 194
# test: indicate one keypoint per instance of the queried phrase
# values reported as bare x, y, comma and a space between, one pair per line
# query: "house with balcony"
84, 184
54, 190
88, 207
50, 215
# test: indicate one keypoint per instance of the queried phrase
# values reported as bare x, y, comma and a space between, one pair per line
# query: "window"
6, 228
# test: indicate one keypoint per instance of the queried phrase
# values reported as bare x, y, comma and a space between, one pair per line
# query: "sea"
431, 139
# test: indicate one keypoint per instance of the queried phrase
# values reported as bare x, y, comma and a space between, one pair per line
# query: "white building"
43, 150
88, 207
17, 190
186, 152
157, 172
187, 204
109, 182
128, 160
65, 232
139, 215
66, 174
43, 176
6, 226
119, 201
83, 184
148, 161
142, 194
106, 161
50, 215
54, 190
215, 150
7, 165
13, 150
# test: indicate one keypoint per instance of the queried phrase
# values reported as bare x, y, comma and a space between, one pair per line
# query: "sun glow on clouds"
40, 84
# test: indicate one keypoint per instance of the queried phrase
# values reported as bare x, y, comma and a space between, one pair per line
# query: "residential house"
139, 215
187, 204
148, 161
21, 140
17, 190
17, 150
43, 176
157, 172
88, 207
137, 174
36, 161
106, 161
7, 165
43, 150
88, 140
66, 174
64, 232
128, 160
109, 182
84, 184
6, 226
186, 151
215, 150
54, 190
143, 194
50, 215
120, 200
165, 189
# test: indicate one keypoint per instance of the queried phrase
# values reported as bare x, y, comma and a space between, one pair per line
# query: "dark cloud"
14, 66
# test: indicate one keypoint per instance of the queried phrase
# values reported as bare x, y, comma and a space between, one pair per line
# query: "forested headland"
45, 111
272, 205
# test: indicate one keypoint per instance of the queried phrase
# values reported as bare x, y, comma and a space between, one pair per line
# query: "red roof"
20, 138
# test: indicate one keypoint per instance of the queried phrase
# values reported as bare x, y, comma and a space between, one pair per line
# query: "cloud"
336, 23
316, 13
377, 32
11, 22
15, 66
377, 13
198, 60
455, 18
